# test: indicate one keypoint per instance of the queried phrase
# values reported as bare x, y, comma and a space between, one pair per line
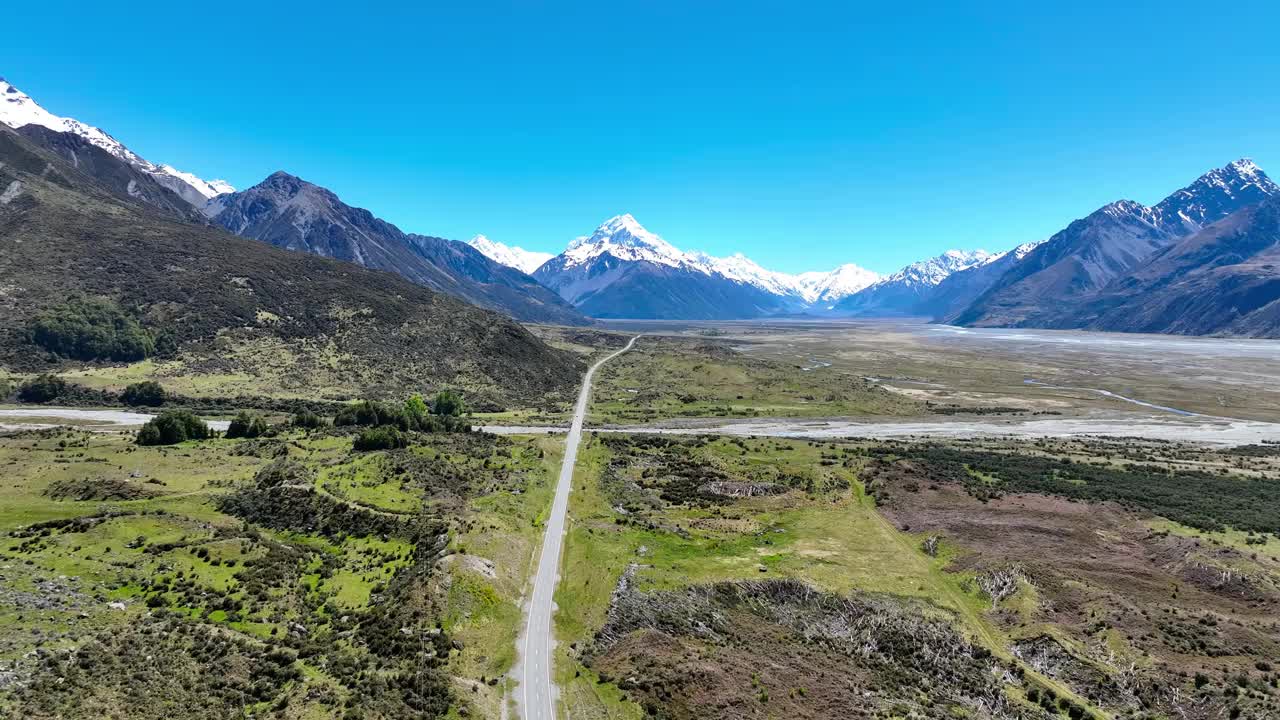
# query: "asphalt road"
536, 692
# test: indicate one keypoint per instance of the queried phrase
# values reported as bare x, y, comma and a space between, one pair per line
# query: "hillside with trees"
85, 276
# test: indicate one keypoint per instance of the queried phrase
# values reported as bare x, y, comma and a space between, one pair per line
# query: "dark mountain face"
126, 182
1109, 244
1223, 279
62, 234
291, 213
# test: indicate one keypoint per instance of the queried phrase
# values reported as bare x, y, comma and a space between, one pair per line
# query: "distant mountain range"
623, 270
1199, 261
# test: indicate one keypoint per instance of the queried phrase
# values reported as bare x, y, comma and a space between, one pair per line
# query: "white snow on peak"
835, 284
935, 270
1245, 167
625, 239
526, 261
18, 109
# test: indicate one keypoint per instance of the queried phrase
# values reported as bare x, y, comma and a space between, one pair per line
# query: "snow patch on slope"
526, 261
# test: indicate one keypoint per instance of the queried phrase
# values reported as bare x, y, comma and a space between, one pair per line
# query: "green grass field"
665, 378
151, 537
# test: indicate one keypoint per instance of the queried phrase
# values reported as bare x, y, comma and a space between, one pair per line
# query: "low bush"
171, 427
147, 393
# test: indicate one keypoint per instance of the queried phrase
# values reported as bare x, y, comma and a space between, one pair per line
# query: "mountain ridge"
1108, 244
17, 109
287, 211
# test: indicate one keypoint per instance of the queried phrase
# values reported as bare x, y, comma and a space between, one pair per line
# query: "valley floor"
767, 521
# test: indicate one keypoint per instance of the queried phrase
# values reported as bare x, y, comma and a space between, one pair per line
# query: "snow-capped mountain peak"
625, 239
17, 109
526, 261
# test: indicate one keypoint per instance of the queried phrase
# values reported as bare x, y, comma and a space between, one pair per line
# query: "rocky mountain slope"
18, 110
1109, 244
227, 300
126, 181
289, 212
1222, 279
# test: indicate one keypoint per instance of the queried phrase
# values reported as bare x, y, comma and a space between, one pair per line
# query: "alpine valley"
1125, 266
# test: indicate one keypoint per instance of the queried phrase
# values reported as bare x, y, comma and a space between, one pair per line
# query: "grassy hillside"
239, 308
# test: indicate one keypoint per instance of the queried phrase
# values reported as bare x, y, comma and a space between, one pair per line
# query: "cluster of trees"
148, 393
383, 437
91, 329
307, 420
443, 414
171, 427
245, 425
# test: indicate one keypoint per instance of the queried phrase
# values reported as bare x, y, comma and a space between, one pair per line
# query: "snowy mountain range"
1205, 259
17, 110
624, 240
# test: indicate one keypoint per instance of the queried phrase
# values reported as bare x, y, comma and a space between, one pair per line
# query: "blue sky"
802, 134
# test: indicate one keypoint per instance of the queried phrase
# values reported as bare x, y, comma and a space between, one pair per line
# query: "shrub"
90, 329
385, 437
307, 419
171, 427
247, 426
42, 389
148, 393
448, 403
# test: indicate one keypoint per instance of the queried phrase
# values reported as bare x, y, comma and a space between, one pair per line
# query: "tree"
415, 412
448, 403
171, 427
42, 389
245, 425
148, 393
